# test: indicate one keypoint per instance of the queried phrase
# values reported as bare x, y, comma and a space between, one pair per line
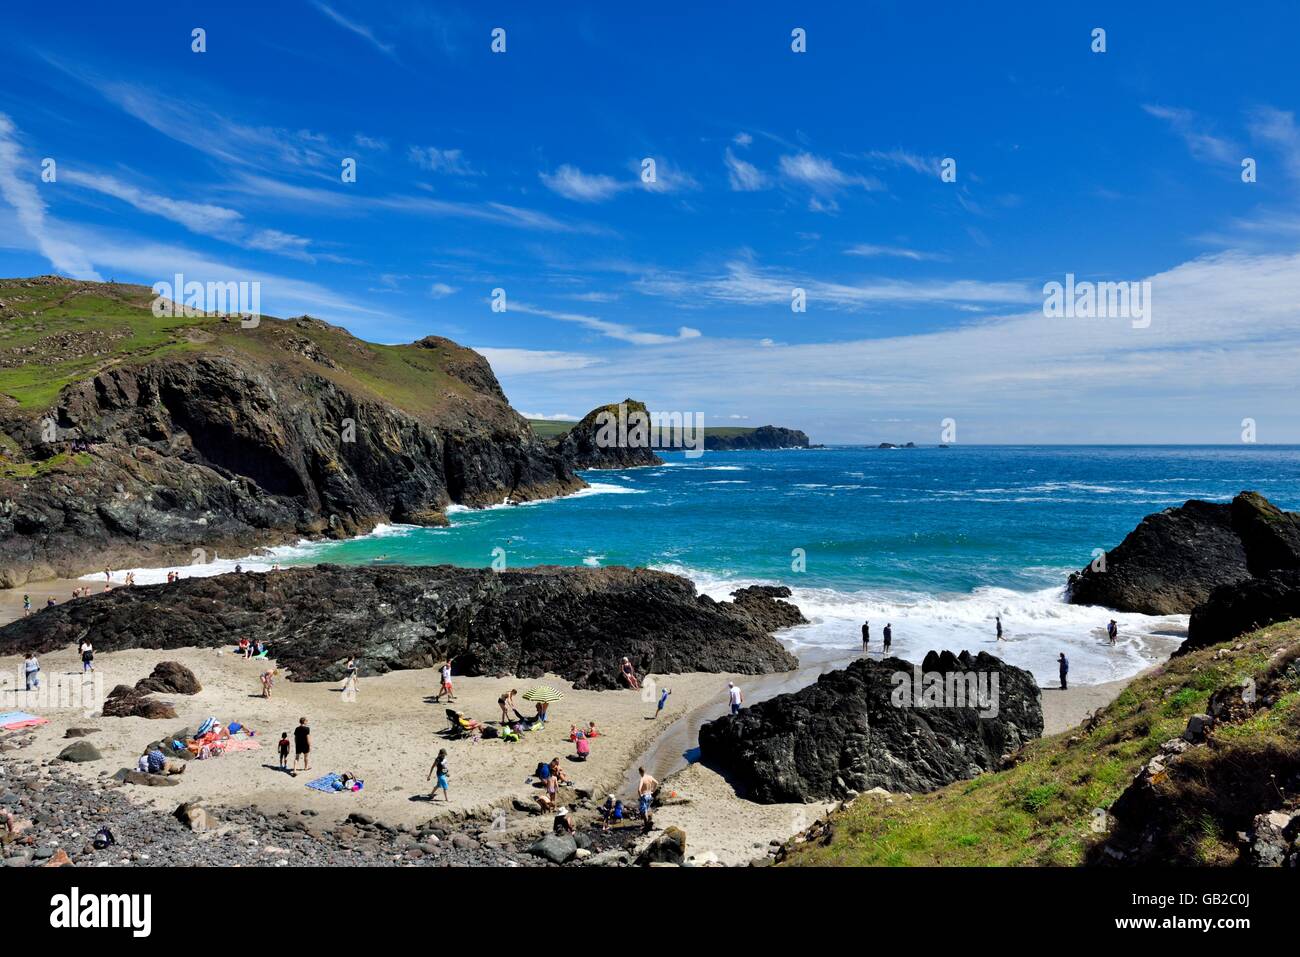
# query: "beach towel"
327, 783
13, 720
241, 744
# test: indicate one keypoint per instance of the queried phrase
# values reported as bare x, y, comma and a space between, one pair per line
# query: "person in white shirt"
735, 697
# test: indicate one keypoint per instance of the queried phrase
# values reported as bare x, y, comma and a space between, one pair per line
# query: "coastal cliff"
131, 439
587, 444
763, 437
574, 622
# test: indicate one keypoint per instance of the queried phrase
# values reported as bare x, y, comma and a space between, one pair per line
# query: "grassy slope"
1039, 812
75, 329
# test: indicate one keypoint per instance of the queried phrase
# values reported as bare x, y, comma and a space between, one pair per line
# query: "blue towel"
325, 784
11, 717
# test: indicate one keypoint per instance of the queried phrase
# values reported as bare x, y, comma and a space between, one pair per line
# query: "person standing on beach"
645, 796
889, 636
507, 704
663, 700
445, 687
1112, 631
87, 656
27, 605
32, 671
284, 751
440, 768
734, 697
301, 746
998, 618
1064, 664
350, 675
866, 636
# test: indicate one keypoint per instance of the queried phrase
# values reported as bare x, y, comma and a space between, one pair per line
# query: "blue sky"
775, 170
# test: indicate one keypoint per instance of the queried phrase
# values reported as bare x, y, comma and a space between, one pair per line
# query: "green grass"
1039, 812
550, 428
55, 334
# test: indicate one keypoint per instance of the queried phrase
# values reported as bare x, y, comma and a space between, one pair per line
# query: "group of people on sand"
866, 636
301, 748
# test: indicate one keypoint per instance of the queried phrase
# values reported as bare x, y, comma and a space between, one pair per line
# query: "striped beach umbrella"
543, 693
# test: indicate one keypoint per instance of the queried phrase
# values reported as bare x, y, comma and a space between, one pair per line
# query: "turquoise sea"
935, 541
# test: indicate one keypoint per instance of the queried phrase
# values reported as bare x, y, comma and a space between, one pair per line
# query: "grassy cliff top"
55, 331
547, 428
1040, 811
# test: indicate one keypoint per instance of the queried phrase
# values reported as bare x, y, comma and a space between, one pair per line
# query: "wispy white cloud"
613, 330
1194, 131
822, 175
360, 29
743, 176
897, 252
437, 160
572, 183
521, 362
21, 193
440, 290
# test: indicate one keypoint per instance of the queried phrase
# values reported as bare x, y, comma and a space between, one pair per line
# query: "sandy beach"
388, 737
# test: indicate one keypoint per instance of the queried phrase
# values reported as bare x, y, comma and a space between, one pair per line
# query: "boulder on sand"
125, 702
80, 752
556, 848
169, 677
668, 848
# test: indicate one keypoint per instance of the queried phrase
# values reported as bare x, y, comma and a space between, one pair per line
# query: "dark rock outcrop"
1174, 559
80, 752
245, 437
763, 437
598, 441
762, 604
1232, 610
574, 622
125, 702
169, 677
861, 728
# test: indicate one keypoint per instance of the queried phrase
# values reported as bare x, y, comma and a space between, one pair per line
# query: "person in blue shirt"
1065, 668
663, 700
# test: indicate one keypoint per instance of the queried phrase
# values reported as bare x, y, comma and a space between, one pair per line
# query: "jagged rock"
169, 677
853, 730
125, 702
611, 858
80, 752
79, 732
574, 622
597, 442
668, 848
1273, 838
556, 848
1198, 726
762, 604
1176, 558
1232, 610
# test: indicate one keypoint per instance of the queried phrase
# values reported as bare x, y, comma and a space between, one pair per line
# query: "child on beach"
663, 700
284, 751
445, 687
27, 605
268, 679
440, 767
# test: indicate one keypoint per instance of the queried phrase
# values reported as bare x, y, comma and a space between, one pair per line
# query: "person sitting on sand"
268, 681
573, 732
243, 647
591, 730
563, 822
557, 773
629, 674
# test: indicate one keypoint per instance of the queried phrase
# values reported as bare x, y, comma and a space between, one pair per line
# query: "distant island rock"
891, 445
763, 437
